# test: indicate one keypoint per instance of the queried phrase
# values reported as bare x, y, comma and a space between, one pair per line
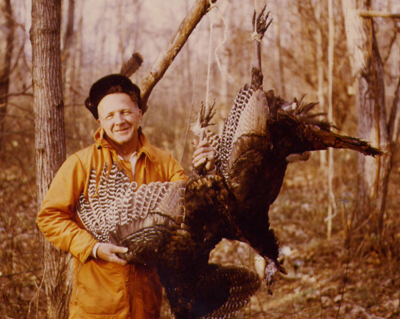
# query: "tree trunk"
367, 69
6, 45
49, 138
280, 51
372, 126
331, 47
68, 55
78, 54
320, 72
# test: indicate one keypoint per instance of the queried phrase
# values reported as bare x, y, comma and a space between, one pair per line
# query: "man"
104, 285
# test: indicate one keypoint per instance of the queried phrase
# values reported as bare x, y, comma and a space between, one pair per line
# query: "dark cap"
113, 83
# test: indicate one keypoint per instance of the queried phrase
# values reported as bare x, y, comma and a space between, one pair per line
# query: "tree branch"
394, 119
373, 14
165, 59
23, 92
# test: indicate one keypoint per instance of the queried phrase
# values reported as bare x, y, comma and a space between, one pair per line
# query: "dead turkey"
149, 220
174, 226
261, 135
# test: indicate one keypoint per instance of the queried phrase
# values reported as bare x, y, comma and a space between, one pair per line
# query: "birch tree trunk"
320, 72
367, 70
6, 45
331, 46
49, 138
280, 51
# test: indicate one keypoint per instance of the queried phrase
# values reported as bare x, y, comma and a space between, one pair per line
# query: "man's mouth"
122, 130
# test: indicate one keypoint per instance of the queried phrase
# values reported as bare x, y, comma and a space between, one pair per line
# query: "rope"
209, 56
230, 79
209, 62
198, 127
192, 104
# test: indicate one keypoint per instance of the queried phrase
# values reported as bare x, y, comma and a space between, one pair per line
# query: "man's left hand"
203, 155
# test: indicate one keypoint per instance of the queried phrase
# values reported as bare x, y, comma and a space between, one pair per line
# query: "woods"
51, 51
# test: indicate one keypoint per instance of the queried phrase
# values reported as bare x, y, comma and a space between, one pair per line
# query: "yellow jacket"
102, 289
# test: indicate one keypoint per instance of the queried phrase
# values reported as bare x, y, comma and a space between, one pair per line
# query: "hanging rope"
230, 79
209, 55
192, 103
198, 128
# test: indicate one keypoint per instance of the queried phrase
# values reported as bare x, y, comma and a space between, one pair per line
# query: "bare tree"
68, 54
368, 73
279, 50
6, 45
331, 47
49, 138
320, 70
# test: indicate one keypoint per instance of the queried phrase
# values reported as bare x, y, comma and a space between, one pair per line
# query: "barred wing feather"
118, 202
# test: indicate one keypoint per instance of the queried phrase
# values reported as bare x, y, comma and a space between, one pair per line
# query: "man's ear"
98, 121
140, 116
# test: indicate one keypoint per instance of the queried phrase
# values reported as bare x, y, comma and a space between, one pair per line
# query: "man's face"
120, 117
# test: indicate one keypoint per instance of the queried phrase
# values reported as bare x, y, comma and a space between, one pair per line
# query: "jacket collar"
144, 146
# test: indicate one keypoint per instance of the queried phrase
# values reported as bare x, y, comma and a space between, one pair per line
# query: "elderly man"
104, 285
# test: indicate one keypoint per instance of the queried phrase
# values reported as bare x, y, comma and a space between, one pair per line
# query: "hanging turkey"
174, 226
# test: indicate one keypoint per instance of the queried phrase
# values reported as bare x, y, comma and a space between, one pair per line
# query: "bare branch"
394, 120
374, 14
392, 41
23, 92
165, 59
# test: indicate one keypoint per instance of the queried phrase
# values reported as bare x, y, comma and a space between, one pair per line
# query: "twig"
392, 41
345, 273
375, 14
18, 94
36, 297
20, 273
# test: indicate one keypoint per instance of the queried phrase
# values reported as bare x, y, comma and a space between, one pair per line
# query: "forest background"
353, 272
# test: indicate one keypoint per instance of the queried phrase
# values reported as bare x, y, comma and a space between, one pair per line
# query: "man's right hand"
108, 252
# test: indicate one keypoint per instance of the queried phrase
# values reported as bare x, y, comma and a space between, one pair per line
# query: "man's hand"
203, 155
108, 252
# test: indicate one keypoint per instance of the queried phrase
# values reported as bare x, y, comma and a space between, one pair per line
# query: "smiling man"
104, 285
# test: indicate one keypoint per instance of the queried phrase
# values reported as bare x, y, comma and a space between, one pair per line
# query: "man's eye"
109, 117
127, 112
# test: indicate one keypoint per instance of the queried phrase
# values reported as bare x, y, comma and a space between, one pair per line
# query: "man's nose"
119, 118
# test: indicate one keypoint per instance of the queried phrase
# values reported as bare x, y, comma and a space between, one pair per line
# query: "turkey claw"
261, 23
270, 272
271, 269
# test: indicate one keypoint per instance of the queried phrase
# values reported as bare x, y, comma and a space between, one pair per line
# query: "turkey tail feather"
230, 286
325, 139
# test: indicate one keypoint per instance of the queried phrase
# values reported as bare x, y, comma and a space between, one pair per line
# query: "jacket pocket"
152, 291
101, 288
